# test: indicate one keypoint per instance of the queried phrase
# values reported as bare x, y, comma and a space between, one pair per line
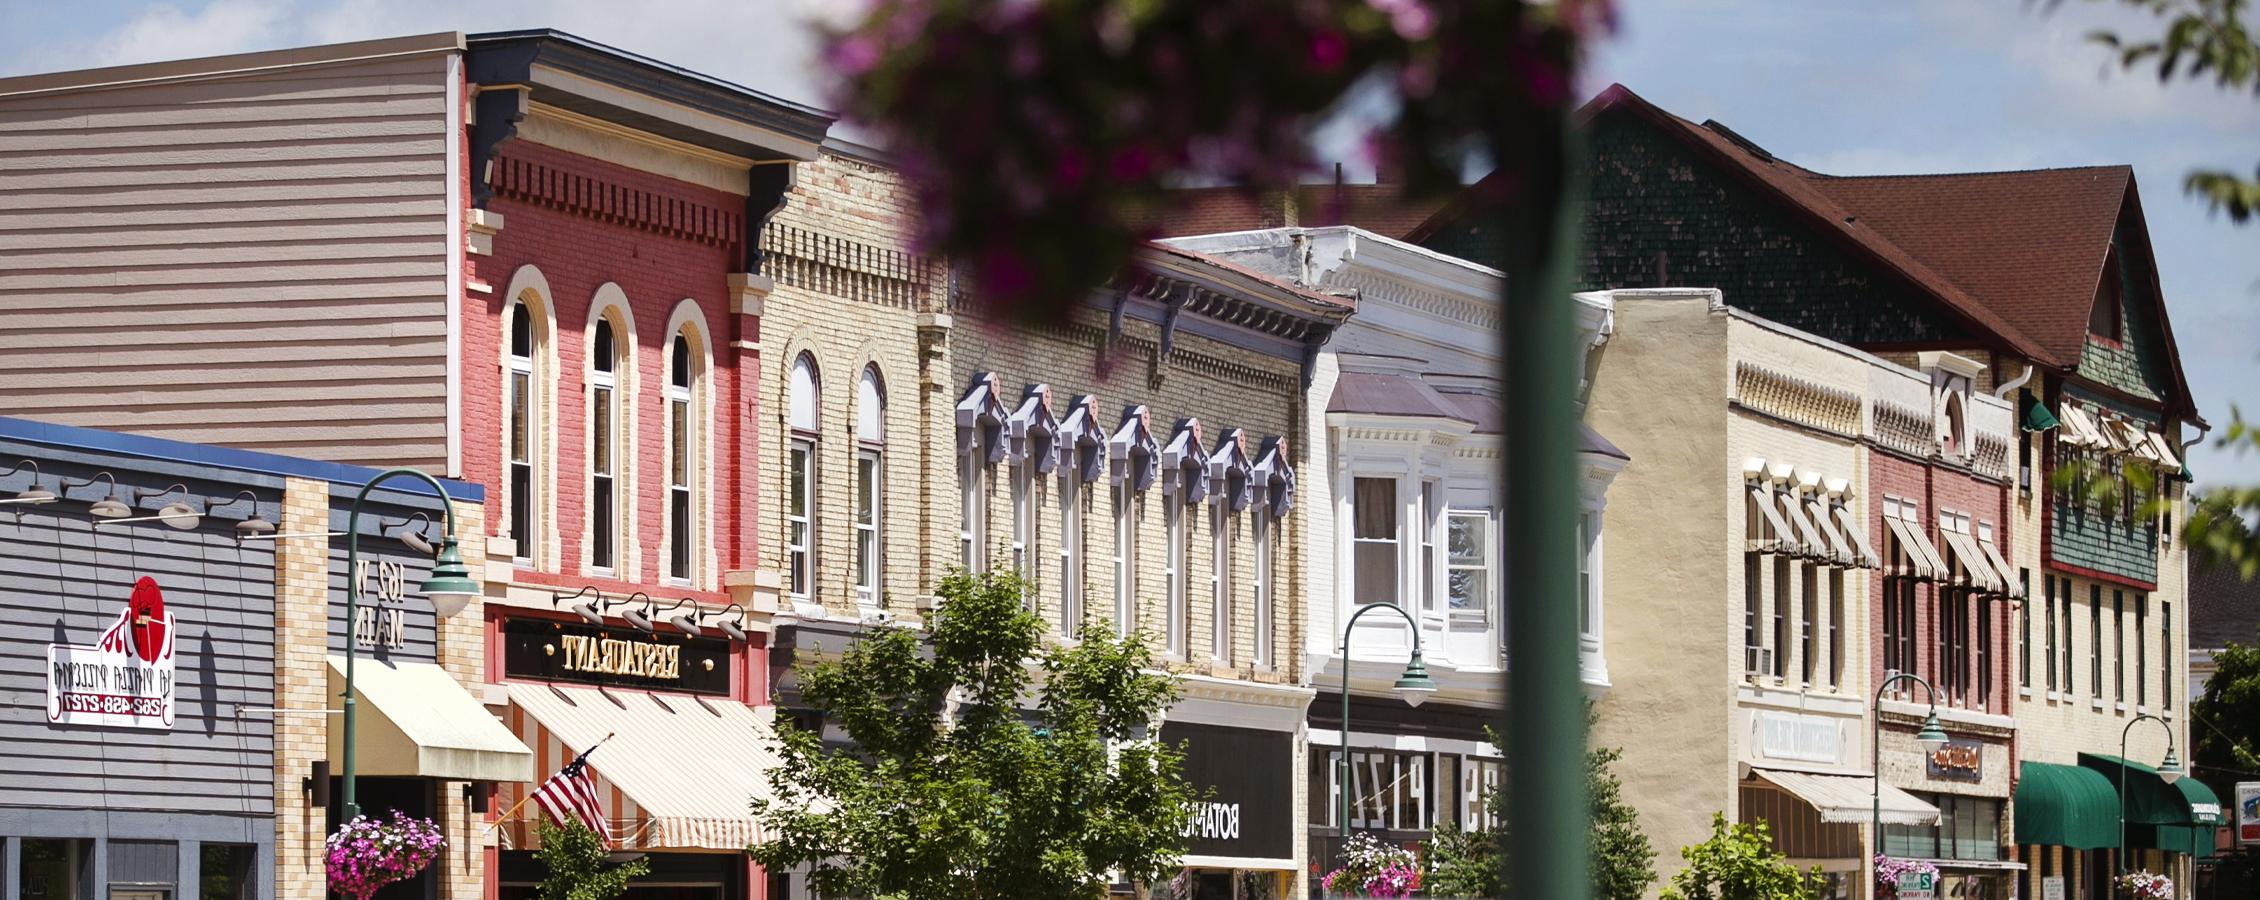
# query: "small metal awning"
416, 721
1978, 570
2066, 806
1915, 549
1852, 799
1816, 510
1784, 539
2015, 586
1859, 537
1808, 538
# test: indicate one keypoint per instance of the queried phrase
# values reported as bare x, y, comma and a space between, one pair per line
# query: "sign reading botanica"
1247, 777
126, 679
667, 660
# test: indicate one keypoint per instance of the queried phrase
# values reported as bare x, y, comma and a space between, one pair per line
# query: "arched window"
870, 484
686, 460
604, 446
801, 417
525, 424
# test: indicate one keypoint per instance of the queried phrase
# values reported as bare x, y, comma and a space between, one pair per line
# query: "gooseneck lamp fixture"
729, 624
1931, 737
687, 620
177, 514
109, 507
2169, 771
640, 619
1414, 685
590, 610
252, 527
412, 538
449, 588
33, 495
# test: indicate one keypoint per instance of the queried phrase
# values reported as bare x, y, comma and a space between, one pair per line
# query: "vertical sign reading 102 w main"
376, 624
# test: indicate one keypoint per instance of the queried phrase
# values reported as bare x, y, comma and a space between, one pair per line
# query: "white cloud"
165, 31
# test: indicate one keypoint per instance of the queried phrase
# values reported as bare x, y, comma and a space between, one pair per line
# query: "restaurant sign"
1960, 760
126, 679
665, 660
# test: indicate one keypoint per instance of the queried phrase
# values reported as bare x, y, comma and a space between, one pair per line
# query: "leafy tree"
952, 789
1738, 862
1473, 864
2228, 712
574, 865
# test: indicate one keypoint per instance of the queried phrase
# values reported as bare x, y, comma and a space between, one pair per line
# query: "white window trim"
688, 322
1175, 569
1261, 524
1070, 552
1128, 503
870, 580
610, 309
514, 367
686, 397
1220, 581
800, 555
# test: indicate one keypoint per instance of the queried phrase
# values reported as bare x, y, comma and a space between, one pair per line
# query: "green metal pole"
353, 606
1342, 765
1875, 761
2123, 732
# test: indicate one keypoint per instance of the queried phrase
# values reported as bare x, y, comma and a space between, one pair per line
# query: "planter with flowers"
365, 854
1889, 869
2145, 886
1371, 868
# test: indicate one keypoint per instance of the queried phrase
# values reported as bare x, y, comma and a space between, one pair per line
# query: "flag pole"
529, 798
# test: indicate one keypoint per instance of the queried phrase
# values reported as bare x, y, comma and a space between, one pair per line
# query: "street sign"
1918, 886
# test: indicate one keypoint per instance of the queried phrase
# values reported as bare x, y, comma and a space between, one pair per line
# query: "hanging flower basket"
365, 855
1371, 868
1888, 871
2146, 886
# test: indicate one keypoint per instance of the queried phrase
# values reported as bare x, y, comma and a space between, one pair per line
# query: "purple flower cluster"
365, 855
1888, 869
1371, 868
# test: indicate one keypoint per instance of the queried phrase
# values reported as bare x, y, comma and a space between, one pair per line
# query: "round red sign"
147, 613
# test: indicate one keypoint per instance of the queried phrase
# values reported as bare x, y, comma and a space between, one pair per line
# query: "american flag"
570, 796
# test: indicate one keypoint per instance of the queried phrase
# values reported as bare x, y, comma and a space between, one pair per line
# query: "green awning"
2204, 805
2194, 840
2066, 806
2036, 416
2150, 800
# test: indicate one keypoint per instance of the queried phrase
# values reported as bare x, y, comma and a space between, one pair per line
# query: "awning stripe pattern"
1858, 535
1851, 798
1784, 539
1915, 556
1816, 510
1809, 539
1976, 570
2012, 585
679, 772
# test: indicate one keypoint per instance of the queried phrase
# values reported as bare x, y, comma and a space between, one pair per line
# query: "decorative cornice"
1796, 399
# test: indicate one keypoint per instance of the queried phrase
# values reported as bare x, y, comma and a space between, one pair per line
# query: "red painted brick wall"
585, 222
1939, 488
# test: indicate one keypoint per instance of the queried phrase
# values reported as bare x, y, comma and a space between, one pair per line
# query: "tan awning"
1816, 509
2082, 427
1915, 548
1852, 798
2013, 586
415, 720
1978, 570
1784, 539
679, 771
1808, 538
1858, 535
2165, 450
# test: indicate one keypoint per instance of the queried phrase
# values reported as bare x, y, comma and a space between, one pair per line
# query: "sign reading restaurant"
541, 649
126, 679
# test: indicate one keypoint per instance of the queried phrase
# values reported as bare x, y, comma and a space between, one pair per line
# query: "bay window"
1468, 551
1374, 554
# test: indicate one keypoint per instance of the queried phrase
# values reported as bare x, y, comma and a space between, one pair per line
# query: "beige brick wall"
846, 330
301, 683
462, 652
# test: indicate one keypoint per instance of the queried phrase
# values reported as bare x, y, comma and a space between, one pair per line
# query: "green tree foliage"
952, 788
1737, 862
574, 866
2203, 40
2228, 712
1473, 864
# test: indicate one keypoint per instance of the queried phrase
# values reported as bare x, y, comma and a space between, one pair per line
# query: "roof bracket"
496, 111
766, 185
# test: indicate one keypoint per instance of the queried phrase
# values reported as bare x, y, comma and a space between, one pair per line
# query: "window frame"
686, 383
522, 428
606, 514
804, 429
1394, 542
868, 514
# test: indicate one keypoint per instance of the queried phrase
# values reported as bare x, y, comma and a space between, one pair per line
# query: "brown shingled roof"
2016, 255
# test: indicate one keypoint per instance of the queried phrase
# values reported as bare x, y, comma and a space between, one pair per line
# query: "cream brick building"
1138, 461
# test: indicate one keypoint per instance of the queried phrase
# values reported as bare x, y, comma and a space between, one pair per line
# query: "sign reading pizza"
126, 679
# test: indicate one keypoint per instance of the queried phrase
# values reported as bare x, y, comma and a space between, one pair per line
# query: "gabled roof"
2014, 255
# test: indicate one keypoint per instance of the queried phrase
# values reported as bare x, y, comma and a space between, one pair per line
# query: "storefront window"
1968, 828
56, 869
225, 872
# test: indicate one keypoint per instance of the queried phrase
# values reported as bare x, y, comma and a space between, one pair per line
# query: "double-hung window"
1185, 482
2166, 654
802, 420
2048, 609
1468, 552
604, 448
1035, 454
980, 437
1082, 461
1274, 478
1131, 456
1374, 555
2095, 637
1229, 493
682, 458
525, 427
870, 487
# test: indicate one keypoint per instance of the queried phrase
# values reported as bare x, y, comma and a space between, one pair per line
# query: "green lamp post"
1930, 736
448, 589
1414, 686
2169, 771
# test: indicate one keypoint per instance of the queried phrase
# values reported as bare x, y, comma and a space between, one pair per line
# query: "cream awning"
679, 771
415, 720
1808, 537
1980, 573
1916, 548
1859, 537
1785, 540
1816, 510
2013, 586
1852, 798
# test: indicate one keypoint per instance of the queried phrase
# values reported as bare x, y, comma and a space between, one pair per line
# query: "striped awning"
678, 774
1850, 799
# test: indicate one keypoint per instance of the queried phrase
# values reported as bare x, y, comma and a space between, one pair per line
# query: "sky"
1906, 86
